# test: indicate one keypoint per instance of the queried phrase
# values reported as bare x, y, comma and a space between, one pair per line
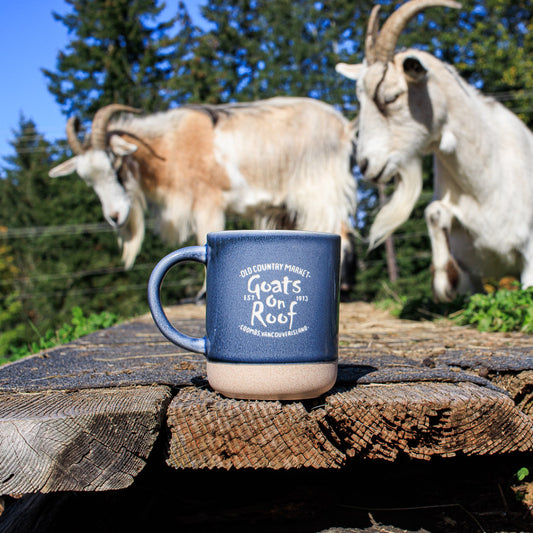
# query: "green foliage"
117, 54
12, 332
251, 50
79, 326
522, 473
425, 308
503, 310
124, 51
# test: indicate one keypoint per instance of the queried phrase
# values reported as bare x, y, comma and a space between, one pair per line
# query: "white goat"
285, 161
481, 220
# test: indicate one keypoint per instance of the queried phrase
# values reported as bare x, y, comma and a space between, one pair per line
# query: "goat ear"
414, 70
352, 72
121, 147
64, 169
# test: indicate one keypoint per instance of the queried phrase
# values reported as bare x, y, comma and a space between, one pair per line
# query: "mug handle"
197, 254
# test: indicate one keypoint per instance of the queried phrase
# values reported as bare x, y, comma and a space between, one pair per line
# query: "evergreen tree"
495, 41
119, 53
257, 49
195, 76
12, 329
24, 205
247, 49
56, 251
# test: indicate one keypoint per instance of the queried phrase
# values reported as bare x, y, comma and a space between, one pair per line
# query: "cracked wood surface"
86, 440
85, 416
419, 420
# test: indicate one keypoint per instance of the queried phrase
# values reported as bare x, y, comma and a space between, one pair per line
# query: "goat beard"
131, 235
400, 206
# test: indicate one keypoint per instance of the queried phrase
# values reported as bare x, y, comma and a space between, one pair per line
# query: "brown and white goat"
411, 103
284, 162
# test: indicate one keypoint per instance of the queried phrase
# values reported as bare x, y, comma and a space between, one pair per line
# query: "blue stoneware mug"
272, 312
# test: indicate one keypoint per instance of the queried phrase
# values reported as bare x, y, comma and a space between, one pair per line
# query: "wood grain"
85, 416
88, 440
417, 420
425, 420
209, 431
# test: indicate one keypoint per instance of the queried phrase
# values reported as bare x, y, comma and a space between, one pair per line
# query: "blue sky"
30, 39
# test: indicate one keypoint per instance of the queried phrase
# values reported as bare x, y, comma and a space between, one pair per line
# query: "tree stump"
88, 440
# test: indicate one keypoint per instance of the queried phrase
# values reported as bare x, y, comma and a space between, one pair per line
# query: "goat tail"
398, 209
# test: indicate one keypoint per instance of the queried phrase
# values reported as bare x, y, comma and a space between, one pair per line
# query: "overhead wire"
54, 231
101, 290
501, 96
76, 274
32, 232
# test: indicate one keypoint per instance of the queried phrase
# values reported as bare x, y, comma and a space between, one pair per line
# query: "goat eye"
386, 99
391, 98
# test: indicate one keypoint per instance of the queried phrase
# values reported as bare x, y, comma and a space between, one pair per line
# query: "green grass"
502, 310
79, 326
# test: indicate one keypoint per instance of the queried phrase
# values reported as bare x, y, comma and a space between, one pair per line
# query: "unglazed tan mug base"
289, 381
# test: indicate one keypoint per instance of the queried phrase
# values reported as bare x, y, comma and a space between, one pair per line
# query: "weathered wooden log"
425, 420
417, 420
87, 440
209, 431
84, 416
134, 353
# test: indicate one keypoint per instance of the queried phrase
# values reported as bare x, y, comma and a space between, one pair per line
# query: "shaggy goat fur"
284, 162
481, 220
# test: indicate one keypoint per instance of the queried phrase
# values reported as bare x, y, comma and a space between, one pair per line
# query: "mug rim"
271, 233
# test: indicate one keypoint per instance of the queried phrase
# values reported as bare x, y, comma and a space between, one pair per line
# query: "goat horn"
372, 29
73, 125
395, 24
100, 121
